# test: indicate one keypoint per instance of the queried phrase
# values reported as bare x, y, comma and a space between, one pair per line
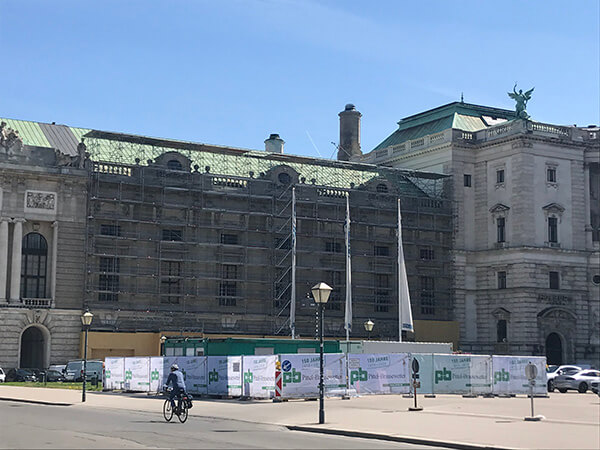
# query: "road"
38, 426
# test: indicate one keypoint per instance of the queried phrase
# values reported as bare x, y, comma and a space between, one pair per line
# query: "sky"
231, 72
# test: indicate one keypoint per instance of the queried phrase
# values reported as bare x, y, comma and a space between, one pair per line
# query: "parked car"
54, 375
58, 367
74, 370
20, 375
595, 387
553, 371
579, 381
2, 376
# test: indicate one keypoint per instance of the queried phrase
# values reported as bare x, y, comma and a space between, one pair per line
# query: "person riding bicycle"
176, 378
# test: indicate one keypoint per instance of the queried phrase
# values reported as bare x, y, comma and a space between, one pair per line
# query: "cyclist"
176, 378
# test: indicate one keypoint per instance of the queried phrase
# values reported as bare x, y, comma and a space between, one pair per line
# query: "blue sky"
230, 72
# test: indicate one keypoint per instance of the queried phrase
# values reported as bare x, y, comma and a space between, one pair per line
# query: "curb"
387, 437
35, 402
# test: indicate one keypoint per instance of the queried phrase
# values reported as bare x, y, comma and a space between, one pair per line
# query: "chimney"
274, 144
349, 148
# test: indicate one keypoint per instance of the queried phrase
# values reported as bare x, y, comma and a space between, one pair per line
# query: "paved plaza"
571, 420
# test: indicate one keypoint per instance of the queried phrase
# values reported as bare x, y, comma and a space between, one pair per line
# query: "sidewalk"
572, 419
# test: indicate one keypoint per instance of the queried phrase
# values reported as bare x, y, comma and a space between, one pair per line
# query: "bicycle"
181, 410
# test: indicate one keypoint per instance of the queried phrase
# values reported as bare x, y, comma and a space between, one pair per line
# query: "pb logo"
107, 374
128, 375
213, 376
358, 375
154, 375
443, 375
292, 377
501, 376
248, 377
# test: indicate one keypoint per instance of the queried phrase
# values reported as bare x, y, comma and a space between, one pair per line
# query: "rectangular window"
467, 180
333, 247
229, 271
334, 303
501, 331
170, 282
108, 281
502, 280
382, 250
552, 229
110, 230
382, 280
427, 295
171, 235
229, 239
499, 176
551, 175
501, 231
382, 301
426, 254
554, 281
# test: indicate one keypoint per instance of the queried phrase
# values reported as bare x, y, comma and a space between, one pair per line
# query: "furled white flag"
348, 316
405, 321
293, 290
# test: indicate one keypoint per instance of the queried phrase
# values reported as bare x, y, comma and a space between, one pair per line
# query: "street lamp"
369, 324
321, 293
86, 320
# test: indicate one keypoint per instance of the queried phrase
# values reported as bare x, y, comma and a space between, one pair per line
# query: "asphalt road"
24, 425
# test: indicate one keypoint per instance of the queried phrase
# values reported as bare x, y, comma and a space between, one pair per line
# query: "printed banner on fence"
137, 374
426, 373
379, 373
259, 376
461, 374
301, 373
509, 375
114, 373
224, 375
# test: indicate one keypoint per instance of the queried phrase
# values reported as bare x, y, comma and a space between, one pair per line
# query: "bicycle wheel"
183, 413
167, 410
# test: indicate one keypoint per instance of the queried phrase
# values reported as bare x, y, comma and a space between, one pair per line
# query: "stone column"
15, 278
3, 258
54, 259
589, 244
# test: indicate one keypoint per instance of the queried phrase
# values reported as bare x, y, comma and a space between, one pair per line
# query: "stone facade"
526, 238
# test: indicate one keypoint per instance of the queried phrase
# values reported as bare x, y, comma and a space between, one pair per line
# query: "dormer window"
382, 188
173, 164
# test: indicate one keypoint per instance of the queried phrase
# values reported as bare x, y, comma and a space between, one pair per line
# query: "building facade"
170, 237
527, 229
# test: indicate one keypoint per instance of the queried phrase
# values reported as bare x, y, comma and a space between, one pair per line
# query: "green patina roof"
457, 115
30, 132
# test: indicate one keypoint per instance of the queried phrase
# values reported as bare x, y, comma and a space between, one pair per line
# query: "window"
227, 293
499, 176
382, 301
427, 295
108, 281
554, 280
333, 247
229, 239
382, 250
173, 164
229, 271
170, 282
334, 303
501, 229
426, 254
551, 174
501, 329
382, 188
33, 266
501, 280
171, 235
467, 180
552, 230
284, 178
110, 230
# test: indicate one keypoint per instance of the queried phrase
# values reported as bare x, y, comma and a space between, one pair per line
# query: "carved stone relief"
40, 200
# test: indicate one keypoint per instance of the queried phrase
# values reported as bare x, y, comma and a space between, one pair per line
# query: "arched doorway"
554, 349
33, 348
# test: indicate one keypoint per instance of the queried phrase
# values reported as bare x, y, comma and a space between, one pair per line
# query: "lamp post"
86, 320
163, 339
369, 324
321, 293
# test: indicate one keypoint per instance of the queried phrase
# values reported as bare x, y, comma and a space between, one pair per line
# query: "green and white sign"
509, 374
114, 373
259, 376
137, 374
224, 375
462, 374
379, 373
301, 372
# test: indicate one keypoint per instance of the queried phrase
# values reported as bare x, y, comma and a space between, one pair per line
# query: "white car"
2, 376
579, 381
553, 371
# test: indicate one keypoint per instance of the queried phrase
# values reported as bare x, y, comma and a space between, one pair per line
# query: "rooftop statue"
521, 99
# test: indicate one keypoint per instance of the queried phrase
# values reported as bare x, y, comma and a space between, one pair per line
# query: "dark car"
20, 375
54, 375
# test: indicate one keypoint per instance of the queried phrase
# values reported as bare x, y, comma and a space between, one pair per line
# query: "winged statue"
521, 99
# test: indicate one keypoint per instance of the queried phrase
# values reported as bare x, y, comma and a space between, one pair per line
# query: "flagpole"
399, 274
405, 320
293, 289
348, 314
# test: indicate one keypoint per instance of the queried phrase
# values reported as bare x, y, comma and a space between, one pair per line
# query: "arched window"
382, 188
33, 266
173, 164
